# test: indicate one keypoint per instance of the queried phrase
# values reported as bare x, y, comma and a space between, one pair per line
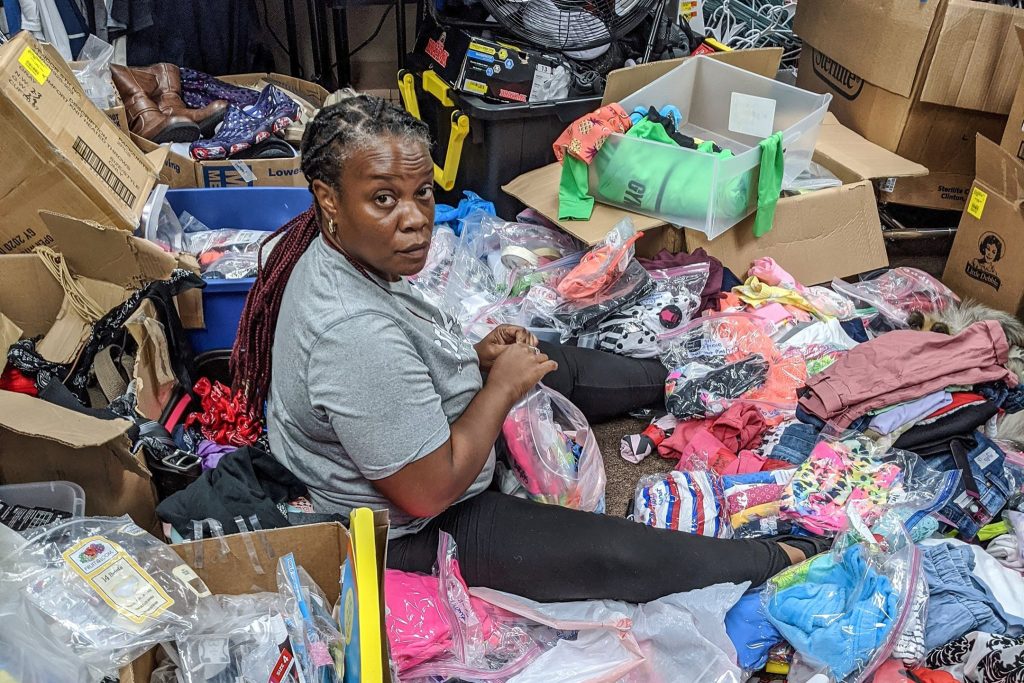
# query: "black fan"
570, 25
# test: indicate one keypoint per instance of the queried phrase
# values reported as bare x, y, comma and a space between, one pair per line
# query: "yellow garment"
757, 293
990, 531
752, 514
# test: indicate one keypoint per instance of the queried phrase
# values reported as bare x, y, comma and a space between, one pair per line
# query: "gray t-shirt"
363, 383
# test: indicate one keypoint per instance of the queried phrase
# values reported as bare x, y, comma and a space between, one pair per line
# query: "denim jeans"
958, 602
796, 443
970, 510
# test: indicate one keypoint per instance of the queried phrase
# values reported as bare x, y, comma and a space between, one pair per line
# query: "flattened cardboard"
987, 259
40, 441
947, 191
763, 61
60, 151
1013, 136
9, 333
71, 331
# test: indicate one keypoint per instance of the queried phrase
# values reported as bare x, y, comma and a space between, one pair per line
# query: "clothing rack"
743, 24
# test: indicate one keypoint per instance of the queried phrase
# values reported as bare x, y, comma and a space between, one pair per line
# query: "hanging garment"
769, 183
42, 19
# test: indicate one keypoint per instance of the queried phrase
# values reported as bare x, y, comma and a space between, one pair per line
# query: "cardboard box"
987, 259
1013, 136
918, 78
320, 549
60, 152
933, 191
182, 171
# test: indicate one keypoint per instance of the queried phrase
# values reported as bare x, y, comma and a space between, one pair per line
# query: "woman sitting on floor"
375, 399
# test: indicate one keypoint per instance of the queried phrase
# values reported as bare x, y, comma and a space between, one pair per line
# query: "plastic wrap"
553, 452
845, 611
897, 293
433, 278
159, 223
92, 69
572, 316
319, 645
633, 330
232, 266
102, 590
692, 502
602, 265
239, 637
753, 502
719, 359
850, 470
473, 643
816, 177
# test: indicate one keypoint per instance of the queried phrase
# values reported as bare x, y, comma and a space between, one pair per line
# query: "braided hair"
337, 131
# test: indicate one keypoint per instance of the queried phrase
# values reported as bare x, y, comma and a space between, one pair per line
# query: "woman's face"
384, 213
990, 252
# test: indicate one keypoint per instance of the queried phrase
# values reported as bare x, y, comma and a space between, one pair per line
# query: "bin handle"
432, 83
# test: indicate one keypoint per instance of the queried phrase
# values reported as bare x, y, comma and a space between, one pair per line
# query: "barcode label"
103, 171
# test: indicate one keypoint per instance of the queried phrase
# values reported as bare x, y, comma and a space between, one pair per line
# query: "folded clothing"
684, 501
751, 632
909, 412
753, 501
983, 488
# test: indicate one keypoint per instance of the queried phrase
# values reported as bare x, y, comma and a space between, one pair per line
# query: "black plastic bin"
504, 140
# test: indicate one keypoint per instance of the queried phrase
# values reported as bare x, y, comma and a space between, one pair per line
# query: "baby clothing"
684, 501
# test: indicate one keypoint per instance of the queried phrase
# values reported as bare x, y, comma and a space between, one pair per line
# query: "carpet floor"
623, 475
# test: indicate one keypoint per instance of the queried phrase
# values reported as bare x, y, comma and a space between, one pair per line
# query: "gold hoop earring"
330, 226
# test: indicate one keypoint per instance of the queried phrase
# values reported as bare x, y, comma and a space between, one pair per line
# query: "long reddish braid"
330, 138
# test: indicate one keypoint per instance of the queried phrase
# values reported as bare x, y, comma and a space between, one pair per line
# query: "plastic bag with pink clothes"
897, 293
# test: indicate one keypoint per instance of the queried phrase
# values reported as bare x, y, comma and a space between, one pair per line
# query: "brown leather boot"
144, 117
168, 98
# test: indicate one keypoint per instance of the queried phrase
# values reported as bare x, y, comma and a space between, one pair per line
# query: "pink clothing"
768, 271
739, 427
905, 365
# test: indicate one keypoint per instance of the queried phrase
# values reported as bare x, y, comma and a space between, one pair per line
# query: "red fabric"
895, 671
14, 380
226, 419
960, 399
585, 136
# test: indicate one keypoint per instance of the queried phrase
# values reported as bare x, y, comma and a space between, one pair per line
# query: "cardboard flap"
29, 294
881, 41
9, 333
538, 189
977, 63
72, 330
763, 61
999, 171
852, 158
158, 157
31, 416
106, 253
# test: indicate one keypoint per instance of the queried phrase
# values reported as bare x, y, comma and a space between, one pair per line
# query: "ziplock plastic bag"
26, 658
850, 469
473, 641
94, 75
239, 637
678, 637
470, 287
692, 502
633, 330
816, 177
553, 452
102, 590
899, 292
432, 280
845, 611
1016, 521
223, 240
717, 360
319, 645
233, 266
603, 264
573, 316
753, 502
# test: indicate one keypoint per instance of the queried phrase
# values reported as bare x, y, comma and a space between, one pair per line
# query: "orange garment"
787, 372
598, 268
585, 136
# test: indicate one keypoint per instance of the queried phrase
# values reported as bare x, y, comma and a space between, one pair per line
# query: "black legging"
551, 553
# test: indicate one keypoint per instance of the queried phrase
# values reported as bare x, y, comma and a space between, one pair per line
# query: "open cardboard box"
60, 152
40, 441
1013, 136
320, 549
918, 78
181, 171
816, 236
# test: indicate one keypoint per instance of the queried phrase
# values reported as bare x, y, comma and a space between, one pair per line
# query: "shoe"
273, 112
271, 148
144, 116
168, 97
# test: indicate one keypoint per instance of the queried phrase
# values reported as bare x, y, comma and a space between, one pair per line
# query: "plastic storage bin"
481, 145
65, 496
251, 208
718, 102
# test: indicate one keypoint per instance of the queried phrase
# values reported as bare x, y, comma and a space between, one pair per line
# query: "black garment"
245, 482
934, 439
633, 285
551, 553
689, 397
605, 385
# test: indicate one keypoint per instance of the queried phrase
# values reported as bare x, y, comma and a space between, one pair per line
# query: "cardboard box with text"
1013, 136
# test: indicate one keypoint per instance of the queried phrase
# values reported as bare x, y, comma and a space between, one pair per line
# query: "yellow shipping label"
475, 86
487, 50
976, 206
34, 64
118, 579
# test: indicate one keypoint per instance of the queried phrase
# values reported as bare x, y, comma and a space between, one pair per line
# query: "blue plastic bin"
247, 208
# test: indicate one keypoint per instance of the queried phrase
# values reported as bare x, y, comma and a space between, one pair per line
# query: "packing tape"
517, 257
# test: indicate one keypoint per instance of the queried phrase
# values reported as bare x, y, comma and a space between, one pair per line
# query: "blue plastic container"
247, 208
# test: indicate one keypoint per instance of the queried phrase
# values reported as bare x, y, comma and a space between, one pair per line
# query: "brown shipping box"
987, 259
1013, 136
918, 78
60, 152
181, 171
320, 549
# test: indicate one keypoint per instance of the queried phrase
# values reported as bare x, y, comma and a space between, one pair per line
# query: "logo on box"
846, 83
983, 268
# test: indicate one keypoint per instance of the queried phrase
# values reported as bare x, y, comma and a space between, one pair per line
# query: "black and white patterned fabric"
981, 658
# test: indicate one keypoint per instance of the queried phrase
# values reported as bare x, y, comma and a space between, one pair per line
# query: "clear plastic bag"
602, 265
753, 501
102, 590
319, 645
897, 293
233, 266
160, 223
692, 502
553, 451
845, 611
816, 177
573, 316
223, 240
432, 280
239, 637
1016, 521
851, 470
475, 642
92, 70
